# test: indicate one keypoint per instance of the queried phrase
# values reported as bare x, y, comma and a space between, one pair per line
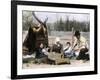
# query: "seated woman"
80, 46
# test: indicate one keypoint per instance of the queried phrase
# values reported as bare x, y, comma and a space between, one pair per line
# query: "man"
40, 51
42, 55
80, 46
57, 47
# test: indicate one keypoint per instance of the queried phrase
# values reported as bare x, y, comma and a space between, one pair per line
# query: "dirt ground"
74, 63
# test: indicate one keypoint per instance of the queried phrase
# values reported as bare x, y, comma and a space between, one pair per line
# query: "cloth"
81, 43
67, 49
82, 55
45, 51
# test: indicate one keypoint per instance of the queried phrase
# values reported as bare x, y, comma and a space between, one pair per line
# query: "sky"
52, 16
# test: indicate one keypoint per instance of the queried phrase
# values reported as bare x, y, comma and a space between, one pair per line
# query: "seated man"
57, 47
42, 55
68, 50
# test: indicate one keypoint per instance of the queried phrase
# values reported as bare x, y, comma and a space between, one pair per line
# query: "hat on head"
77, 33
57, 39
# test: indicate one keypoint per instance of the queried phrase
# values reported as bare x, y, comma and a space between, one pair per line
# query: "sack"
62, 61
58, 58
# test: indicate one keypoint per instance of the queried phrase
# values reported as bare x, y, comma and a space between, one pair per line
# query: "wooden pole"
72, 36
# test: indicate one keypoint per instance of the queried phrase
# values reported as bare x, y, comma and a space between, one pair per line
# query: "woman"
80, 46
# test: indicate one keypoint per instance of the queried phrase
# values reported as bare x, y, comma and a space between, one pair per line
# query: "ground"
74, 63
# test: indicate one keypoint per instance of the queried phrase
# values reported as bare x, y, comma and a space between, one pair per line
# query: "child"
67, 50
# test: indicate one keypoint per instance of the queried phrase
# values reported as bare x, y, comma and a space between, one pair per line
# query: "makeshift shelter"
36, 34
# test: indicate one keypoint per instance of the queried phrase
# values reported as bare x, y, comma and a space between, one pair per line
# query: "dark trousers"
82, 55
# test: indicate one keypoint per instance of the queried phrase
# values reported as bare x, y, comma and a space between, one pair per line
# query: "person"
42, 55
80, 46
68, 50
57, 47
40, 51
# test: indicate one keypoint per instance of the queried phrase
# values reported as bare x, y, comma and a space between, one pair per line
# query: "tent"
33, 39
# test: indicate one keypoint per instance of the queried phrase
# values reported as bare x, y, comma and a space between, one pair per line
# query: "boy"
67, 50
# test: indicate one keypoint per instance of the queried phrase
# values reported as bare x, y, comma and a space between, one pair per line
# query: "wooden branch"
37, 18
46, 20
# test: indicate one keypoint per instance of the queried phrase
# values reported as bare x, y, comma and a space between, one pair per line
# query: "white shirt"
69, 49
